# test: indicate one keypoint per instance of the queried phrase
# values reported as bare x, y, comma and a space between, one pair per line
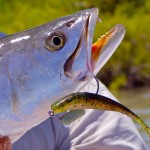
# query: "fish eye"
55, 41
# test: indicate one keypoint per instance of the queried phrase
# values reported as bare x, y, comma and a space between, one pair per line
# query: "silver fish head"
62, 49
40, 65
53, 58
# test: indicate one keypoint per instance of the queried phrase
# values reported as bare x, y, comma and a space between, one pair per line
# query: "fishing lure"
85, 100
72, 115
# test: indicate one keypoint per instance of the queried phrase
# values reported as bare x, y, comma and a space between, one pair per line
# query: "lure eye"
55, 41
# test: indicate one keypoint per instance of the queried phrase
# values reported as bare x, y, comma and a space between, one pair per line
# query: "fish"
86, 100
38, 66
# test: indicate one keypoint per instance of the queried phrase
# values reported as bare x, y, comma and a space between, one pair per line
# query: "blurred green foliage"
129, 66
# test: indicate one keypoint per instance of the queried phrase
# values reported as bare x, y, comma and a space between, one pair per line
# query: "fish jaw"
106, 45
78, 67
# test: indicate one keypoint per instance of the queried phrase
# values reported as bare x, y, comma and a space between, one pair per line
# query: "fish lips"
78, 66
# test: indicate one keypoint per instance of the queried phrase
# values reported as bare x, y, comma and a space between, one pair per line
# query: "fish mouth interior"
106, 45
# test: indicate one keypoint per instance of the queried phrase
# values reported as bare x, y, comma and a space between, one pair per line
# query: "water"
139, 102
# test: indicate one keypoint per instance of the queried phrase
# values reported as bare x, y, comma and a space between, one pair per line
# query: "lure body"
84, 100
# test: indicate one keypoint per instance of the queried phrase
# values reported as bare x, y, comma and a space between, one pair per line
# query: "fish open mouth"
83, 64
102, 50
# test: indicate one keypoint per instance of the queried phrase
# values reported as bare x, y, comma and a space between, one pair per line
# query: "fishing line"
97, 82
